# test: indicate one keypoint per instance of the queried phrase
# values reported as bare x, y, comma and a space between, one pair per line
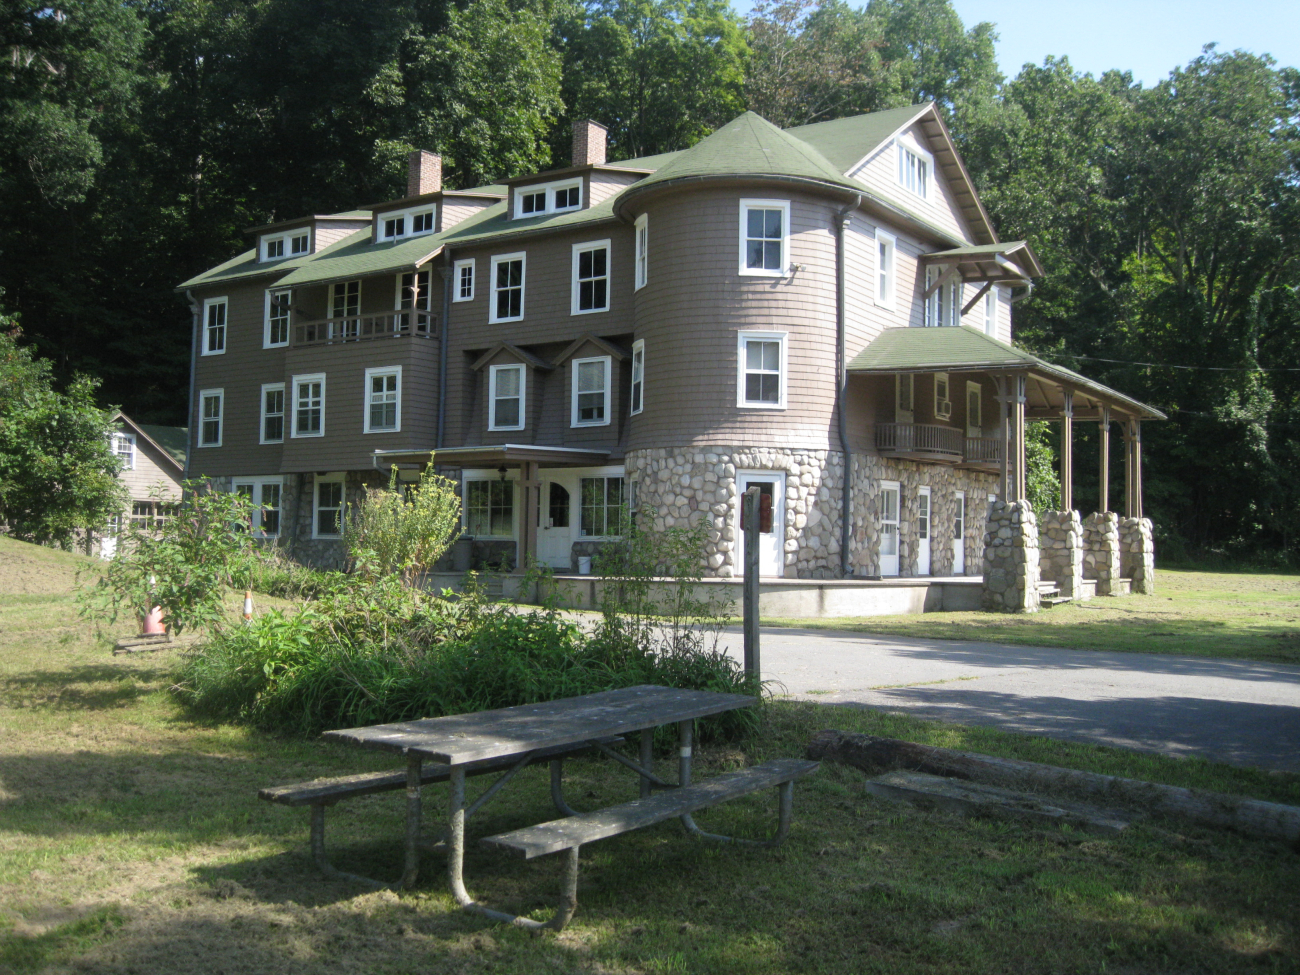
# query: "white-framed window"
212, 406
413, 296
383, 400
974, 410
275, 331
327, 507
942, 396
761, 358
123, 447
345, 299
886, 274
904, 397
411, 222
292, 243
507, 288
601, 503
462, 288
943, 306
889, 493
914, 166
590, 291
507, 392
309, 405
642, 251
591, 391
272, 419
532, 201
489, 507
636, 396
764, 237
991, 299
214, 326
264, 494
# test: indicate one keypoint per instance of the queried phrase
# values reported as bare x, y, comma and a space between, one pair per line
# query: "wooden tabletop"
460, 738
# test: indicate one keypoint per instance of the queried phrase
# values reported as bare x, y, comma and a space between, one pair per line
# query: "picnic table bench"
508, 739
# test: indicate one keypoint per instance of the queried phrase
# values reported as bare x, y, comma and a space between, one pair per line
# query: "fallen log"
874, 755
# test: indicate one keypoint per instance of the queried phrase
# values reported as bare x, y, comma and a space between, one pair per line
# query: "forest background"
139, 138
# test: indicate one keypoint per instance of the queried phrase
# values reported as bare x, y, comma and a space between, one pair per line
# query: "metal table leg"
411, 857
785, 794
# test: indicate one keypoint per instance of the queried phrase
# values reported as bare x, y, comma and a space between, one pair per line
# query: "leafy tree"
938, 58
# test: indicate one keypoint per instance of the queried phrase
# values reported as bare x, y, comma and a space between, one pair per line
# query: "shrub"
402, 531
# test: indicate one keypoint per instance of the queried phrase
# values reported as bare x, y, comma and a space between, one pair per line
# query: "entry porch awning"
495, 455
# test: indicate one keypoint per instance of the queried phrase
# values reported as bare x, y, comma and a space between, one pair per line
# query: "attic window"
280, 246
914, 165
412, 222
532, 201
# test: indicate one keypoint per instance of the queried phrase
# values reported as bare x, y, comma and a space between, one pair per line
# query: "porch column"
1103, 496
1067, 450
1018, 420
1000, 382
529, 485
1133, 468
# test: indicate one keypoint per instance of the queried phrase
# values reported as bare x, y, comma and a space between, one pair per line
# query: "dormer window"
290, 244
914, 166
412, 222
532, 201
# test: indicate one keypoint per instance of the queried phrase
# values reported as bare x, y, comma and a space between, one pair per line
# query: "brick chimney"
423, 173
588, 143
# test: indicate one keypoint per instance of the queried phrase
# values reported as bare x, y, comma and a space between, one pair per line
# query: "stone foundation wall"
1011, 558
1101, 551
1060, 548
1137, 559
692, 485
297, 500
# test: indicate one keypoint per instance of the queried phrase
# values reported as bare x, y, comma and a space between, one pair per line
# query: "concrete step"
1054, 600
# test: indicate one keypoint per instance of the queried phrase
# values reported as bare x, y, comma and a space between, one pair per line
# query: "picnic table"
507, 740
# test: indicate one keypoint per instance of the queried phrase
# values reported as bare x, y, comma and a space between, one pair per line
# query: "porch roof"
1012, 261
963, 349
493, 454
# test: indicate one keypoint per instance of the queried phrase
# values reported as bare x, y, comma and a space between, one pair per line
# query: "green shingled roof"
963, 348
355, 256
847, 141
174, 440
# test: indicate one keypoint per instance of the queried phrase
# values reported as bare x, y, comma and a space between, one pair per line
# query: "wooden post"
751, 507
1018, 419
1137, 468
1067, 450
1103, 495
1001, 383
529, 485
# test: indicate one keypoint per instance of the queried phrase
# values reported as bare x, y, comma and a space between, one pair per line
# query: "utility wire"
1170, 365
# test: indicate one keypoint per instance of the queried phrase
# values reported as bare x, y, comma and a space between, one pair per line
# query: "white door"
889, 528
108, 540
923, 531
959, 536
556, 520
771, 486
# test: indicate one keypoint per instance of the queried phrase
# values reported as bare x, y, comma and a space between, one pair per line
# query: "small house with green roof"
823, 313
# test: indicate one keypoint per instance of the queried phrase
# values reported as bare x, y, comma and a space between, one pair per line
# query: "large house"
152, 468
793, 309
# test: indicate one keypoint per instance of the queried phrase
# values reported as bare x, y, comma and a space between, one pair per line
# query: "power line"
1170, 365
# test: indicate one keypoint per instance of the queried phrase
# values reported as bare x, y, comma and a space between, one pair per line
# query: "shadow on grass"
73, 688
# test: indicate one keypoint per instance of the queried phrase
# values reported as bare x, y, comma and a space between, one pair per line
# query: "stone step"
1054, 600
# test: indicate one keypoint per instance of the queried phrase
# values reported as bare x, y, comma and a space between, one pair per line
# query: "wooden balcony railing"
360, 328
983, 452
924, 440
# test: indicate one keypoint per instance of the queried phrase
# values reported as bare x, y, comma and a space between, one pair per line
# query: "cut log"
1252, 817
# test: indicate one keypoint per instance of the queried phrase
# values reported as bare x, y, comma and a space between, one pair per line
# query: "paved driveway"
1241, 712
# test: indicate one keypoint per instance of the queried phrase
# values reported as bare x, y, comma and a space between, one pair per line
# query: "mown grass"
131, 840
1199, 614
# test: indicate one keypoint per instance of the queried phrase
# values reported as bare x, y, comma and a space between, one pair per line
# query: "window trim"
258, 484
588, 476
266, 318
262, 414
746, 204
641, 262
493, 372
908, 143
945, 379
522, 257
638, 358
220, 394
330, 298
337, 477
890, 272
517, 204
371, 373
407, 215
742, 339
122, 437
287, 237
992, 303
456, 269
575, 285
206, 348
308, 377
512, 478
608, 362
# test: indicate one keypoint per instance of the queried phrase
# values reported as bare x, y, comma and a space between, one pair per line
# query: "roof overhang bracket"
974, 301
953, 269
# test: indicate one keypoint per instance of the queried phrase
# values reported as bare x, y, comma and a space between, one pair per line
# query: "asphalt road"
1241, 712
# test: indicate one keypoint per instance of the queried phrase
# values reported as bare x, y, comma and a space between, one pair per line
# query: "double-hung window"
591, 389
309, 405
214, 326
590, 278
462, 288
914, 165
490, 508
123, 445
943, 306
264, 495
413, 302
532, 201
507, 288
384, 400
506, 391
276, 331
762, 372
212, 403
280, 246
904, 397
885, 273
345, 299
637, 392
642, 251
991, 311
327, 521
974, 410
764, 237
411, 222
272, 425
602, 500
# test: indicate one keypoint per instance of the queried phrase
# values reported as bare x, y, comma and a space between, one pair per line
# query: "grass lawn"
1199, 614
131, 840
